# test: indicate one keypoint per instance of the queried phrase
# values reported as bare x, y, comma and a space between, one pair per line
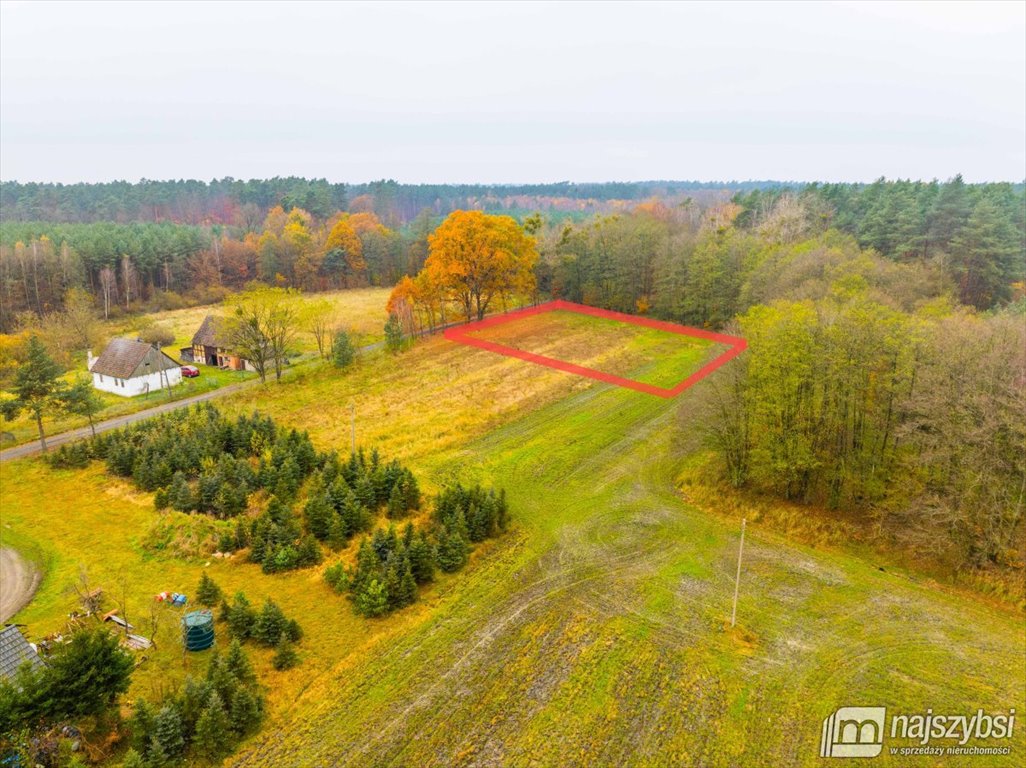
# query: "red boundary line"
460, 334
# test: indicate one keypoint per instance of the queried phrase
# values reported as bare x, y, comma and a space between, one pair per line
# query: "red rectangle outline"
460, 334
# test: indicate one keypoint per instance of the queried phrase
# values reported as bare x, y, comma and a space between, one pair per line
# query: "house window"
101, 377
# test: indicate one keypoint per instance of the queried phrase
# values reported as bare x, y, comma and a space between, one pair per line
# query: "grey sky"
492, 92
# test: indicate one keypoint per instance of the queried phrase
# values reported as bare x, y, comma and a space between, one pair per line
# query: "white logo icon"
853, 732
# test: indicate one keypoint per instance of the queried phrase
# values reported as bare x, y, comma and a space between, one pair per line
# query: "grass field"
361, 311
591, 634
649, 355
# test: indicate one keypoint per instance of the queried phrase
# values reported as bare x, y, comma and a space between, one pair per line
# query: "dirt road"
18, 582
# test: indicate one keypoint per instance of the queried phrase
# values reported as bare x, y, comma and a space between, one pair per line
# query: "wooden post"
737, 580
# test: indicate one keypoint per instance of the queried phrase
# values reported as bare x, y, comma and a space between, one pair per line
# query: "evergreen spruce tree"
372, 599
211, 739
453, 550
396, 502
422, 559
285, 656
141, 726
238, 663
342, 350
308, 552
393, 335
365, 492
245, 711
241, 617
195, 693
411, 490
356, 516
318, 513
156, 755
270, 624
168, 738
406, 589
207, 593
133, 759
179, 495
37, 388
338, 534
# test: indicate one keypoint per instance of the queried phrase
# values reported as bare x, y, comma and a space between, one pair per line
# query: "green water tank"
198, 630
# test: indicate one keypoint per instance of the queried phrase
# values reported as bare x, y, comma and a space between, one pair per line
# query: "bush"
342, 350
285, 656
155, 333
241, 617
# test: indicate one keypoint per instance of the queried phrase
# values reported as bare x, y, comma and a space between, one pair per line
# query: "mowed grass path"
592, 634
644, 354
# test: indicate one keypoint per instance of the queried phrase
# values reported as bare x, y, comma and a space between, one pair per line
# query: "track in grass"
592, 634
595, 635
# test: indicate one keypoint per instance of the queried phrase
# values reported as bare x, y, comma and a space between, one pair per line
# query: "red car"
190, 371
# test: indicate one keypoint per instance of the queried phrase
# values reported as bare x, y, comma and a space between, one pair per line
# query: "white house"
129, 368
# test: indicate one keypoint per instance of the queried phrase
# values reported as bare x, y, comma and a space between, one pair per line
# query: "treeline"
866, 387
126, 267
238, 203
702, 267
977, 232
225, 201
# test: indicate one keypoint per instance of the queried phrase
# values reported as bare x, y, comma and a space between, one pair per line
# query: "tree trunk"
42, 435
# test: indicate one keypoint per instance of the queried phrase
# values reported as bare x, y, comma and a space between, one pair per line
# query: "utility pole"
737, 580
352, 413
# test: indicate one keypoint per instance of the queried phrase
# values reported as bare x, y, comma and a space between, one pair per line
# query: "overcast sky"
491, 92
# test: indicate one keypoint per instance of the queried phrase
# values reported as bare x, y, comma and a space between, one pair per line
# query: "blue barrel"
198, 630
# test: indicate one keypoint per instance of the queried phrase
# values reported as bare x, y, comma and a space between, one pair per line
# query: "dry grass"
649, 355
360, 311
592, 634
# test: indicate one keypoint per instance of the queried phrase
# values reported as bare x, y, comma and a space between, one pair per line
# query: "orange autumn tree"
474, 257
343, 254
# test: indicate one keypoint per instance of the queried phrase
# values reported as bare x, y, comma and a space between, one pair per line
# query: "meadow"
595, 632
359, 311
649, 355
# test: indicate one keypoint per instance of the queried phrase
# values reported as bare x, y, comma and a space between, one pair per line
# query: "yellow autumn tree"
475, 257
343, 254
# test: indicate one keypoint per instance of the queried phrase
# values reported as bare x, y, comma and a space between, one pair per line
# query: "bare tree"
319, 318
109, 289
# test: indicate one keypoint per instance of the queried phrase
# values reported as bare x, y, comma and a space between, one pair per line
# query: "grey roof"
15, 651
125, 358
213, 332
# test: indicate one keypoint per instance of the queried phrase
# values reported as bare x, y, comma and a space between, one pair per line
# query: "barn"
130, 368
211, 345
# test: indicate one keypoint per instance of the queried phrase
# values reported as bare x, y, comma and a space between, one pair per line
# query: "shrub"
342, 350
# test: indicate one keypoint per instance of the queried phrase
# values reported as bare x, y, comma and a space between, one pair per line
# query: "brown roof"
212, 333
125, 359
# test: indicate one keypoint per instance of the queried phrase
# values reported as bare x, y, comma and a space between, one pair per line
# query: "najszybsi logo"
853, 732
859, 732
